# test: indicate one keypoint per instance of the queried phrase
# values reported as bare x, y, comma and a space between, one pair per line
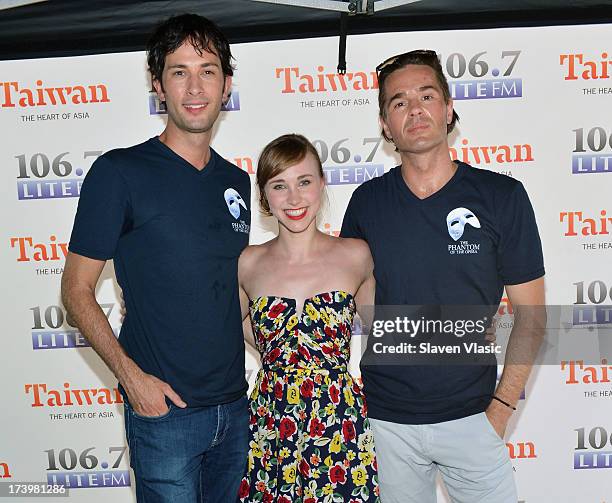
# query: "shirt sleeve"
102, 212
519, 255
353, 224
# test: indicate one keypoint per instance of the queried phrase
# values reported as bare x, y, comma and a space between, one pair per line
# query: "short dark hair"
278, 155
423, 57
202, 33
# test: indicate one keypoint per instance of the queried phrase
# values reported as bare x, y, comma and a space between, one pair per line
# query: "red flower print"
283, 499
304, 352
293, 358
317, 428
337, 474
334, 393
253, 419
328, 349
273, 355
327, 298
243, 492
286, 428
269, 423
330, 332
310, 500
264, 384
278, 390
306, 388
267, 497
348, 430
304, 468
276, 309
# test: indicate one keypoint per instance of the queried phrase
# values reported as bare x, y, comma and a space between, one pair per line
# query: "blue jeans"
193, 455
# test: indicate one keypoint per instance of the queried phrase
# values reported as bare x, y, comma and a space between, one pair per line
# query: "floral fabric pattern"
310, 439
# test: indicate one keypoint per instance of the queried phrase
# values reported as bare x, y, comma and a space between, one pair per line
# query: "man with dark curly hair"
173, 215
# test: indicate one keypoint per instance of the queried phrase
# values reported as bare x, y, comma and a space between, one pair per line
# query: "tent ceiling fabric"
73, 27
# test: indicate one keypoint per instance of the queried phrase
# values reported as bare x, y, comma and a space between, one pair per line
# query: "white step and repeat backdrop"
536, 104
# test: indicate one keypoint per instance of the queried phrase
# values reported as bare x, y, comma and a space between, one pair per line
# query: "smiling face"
193, 87
294, 195
416, 114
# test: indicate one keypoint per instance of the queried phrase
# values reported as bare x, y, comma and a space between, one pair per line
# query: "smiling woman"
309, 434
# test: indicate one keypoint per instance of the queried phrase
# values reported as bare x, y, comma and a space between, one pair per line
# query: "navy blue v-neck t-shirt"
459, 246
175, 234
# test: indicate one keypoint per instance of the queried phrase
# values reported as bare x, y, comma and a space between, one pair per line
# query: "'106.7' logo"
349, 167
597, 438
487, 80
593, 311
49, 329
593, 151
45, 177
69, 469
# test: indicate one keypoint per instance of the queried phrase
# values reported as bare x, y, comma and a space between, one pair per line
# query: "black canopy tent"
74, 27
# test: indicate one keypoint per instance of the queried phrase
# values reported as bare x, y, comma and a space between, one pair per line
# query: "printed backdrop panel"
534, 105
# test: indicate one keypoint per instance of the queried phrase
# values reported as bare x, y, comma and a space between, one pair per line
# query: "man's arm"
527, 300
146, 393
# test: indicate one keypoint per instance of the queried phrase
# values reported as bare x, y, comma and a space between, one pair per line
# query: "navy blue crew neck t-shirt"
459, 246
175, 234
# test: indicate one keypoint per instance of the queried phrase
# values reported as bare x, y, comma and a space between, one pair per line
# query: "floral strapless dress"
310, 439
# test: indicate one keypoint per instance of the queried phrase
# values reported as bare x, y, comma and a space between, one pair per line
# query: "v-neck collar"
403, 186
198, 172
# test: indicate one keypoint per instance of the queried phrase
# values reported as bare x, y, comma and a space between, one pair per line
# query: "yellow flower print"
256, 450
359, 475
292, 322
293, 394
336, 443
262, 303
330, 409
312, 312
284, 453
328, 461
289, 474
349, 397
328, 489
324, 316
366, 458
350, 455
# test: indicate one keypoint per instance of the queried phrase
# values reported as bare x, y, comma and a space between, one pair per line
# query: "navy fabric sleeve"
352, 223
519, 254
101, 213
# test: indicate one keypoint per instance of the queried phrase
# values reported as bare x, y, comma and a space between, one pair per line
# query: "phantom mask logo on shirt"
234, 201
456, 220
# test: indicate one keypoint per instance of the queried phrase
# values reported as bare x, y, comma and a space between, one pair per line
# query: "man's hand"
147, 395
498, 415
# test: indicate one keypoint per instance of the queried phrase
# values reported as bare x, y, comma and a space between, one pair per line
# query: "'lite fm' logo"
44, 397
158, 107
579, 67
594, 155
598, 439
51, 328
29, 250
13, 94
50, 177
579, 373
75, 470
490, 154
485, 80
342, 166
5, 473
589, 309
294, 80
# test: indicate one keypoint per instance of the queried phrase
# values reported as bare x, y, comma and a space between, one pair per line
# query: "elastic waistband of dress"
306, 371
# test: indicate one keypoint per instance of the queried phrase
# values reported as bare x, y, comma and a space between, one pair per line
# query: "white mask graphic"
456, 220
234, 202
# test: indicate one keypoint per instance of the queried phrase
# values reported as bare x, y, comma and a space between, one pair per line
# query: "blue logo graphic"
353, 174
157, 107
